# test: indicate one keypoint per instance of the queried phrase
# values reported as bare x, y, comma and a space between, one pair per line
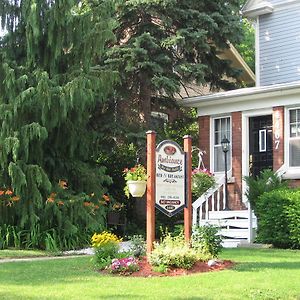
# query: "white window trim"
211, 142
291, 172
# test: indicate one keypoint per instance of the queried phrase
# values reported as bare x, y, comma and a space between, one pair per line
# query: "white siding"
279, 43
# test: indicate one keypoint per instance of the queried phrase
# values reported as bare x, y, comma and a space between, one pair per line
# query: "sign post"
150, 205
187, 146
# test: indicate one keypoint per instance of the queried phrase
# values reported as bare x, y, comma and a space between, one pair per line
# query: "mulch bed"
199, 267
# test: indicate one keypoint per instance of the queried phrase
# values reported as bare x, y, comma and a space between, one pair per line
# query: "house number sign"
170, 178
277, 129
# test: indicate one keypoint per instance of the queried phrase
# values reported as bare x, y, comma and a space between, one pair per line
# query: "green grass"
258, 274
14, 253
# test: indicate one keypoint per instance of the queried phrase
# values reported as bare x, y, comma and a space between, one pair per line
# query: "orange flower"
106, 198
15, 198
9, 192
87, 203
96, 206
63, 184
2, 193
60, 203
50, 200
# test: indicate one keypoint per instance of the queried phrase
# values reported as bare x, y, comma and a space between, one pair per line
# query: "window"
294, 141
221, 128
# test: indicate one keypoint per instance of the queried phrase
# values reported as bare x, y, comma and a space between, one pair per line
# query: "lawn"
13, 253
258, 274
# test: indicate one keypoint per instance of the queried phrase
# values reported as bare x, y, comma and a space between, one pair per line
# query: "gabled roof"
254, 8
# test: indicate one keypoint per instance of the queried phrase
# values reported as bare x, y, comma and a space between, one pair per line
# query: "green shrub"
106, 247
293, 213
105, 254
202, 180
173, 252
138, 245
267, 181
278, 218
205, 239
160, 269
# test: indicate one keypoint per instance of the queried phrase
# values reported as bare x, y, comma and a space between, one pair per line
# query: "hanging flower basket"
137, 188
136, 181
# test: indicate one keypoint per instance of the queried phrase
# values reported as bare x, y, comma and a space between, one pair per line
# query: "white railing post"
250, 229
203, 202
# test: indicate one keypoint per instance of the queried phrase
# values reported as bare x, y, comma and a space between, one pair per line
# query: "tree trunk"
145, 99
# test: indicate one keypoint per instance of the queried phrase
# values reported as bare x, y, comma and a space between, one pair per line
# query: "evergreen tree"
161, 45
51, 82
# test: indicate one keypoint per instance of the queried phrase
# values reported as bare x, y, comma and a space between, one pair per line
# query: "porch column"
235, 189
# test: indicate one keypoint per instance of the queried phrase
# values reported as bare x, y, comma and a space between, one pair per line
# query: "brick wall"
235, 189
204, 140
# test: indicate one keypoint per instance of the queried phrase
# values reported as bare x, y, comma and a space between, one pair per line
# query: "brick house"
262, 123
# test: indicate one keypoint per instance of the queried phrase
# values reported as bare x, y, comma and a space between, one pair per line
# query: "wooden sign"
170, 195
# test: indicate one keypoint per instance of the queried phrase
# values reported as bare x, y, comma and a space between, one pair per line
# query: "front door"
260, 144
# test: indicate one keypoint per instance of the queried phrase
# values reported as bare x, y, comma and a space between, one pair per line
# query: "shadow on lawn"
10, 295
255, 266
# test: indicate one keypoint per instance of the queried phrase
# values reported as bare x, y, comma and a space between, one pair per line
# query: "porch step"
232, 243
229, 214
233, 224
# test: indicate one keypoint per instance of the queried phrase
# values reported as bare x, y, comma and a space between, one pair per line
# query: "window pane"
219, 160
221, 129
292, 116
295, 153
293, 130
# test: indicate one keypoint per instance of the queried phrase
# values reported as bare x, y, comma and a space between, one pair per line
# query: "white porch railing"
212, 200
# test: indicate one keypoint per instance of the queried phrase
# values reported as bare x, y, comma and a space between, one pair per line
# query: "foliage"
247, 47
125, 265
137, 245
106, 247
173, 252
202, 180
105, 254
160, 269
50, 84
206, 240
278, 215
138, 172
267, 181
161, 46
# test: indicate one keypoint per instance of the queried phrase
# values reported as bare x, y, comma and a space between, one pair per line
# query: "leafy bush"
138, 245
267, 181
106, 246
202, 180
205, 239
173, 252
279, 218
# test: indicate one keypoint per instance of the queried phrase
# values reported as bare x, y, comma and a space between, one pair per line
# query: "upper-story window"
221, 129
294, 138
